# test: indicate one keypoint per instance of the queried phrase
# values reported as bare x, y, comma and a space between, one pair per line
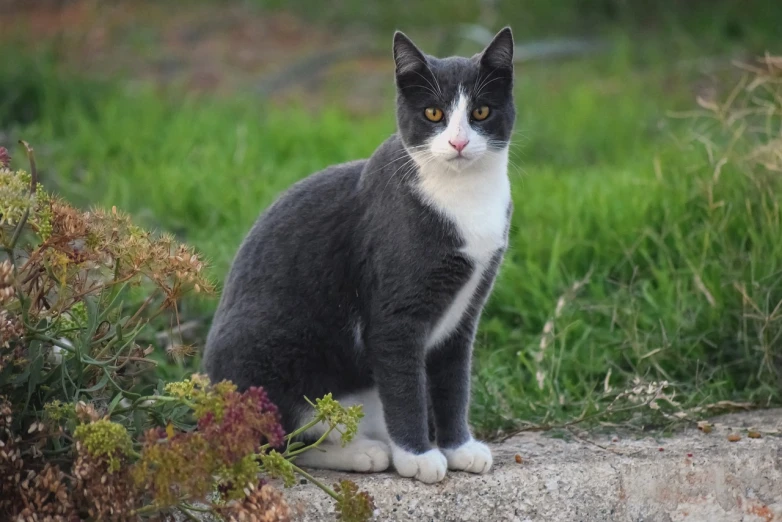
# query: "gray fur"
353, 250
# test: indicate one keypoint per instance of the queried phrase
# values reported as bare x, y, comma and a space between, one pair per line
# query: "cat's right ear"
407, 56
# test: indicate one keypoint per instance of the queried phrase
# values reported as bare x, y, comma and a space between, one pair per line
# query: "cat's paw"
472, 456
429, 467
369, 456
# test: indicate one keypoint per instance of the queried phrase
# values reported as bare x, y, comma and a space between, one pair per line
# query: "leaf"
138, 421
113, 404
35, 367
93, 317
295, 445
99, 386
114, 300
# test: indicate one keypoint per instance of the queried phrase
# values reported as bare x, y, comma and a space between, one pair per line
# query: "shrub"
84, 432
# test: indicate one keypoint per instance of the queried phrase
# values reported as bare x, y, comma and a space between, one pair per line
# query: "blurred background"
193, 116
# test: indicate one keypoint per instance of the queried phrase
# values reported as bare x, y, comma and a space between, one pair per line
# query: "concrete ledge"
691, 476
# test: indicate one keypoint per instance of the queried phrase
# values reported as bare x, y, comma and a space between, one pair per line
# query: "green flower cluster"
205, 398
277, 466
15, 197
344, 420
58, 411
104, 439
353, 506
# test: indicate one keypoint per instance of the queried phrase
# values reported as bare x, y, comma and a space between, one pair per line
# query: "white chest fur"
476, 201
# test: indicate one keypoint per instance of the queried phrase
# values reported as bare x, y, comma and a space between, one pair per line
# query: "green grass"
606, 186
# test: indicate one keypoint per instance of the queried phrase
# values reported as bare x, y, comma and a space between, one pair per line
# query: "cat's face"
455, 111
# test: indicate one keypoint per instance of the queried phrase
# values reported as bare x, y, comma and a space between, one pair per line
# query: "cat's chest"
476, 206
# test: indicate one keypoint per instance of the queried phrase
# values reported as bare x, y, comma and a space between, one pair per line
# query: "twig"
315, 481
605, 448
186, 512
33, 186
581, 418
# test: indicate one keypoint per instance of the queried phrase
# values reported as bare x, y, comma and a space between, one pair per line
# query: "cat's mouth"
459, 158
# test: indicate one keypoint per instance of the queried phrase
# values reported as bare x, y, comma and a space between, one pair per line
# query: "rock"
624, 480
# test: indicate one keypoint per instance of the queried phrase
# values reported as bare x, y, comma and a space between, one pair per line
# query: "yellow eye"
481, 113
433, 114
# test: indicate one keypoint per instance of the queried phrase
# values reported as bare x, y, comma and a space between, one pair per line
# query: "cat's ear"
407, 56
499, 53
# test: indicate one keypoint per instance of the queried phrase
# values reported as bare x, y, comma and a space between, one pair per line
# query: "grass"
628, 258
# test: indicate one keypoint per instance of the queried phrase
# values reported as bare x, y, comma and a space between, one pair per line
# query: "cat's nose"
458, 144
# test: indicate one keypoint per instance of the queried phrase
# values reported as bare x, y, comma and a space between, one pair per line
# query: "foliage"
605, 184
84, 435
672, 275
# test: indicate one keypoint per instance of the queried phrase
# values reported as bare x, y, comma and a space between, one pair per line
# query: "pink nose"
459, 144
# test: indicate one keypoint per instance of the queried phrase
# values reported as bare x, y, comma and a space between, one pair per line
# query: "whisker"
486, 84
401, 154
483, 79
437, 93
442, 96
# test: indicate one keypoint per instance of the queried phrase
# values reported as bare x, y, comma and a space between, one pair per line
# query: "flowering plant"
84, 431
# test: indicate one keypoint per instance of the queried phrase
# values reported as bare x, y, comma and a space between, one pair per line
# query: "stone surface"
691, 476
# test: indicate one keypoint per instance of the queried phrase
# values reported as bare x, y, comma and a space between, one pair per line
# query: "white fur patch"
369, 450
363, 455
473, 192
429, 467
472, 456
372, 425
453, 315
458, 129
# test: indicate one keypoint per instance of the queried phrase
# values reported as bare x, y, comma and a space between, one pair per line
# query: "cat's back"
304, 231
325, 192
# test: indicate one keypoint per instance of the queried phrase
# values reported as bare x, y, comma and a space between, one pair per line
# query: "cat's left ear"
499, 53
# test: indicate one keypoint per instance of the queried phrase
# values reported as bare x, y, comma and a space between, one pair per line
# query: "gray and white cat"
367, 279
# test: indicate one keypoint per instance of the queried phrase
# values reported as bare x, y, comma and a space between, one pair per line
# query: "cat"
367, 279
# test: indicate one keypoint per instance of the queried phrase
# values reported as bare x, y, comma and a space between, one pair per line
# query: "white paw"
429, 467
369, 455
472, 456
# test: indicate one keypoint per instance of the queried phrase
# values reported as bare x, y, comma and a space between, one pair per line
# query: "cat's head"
455, 111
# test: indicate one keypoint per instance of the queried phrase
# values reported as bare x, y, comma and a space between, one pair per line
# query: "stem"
141, 309
160, 398
315, 481
311, 446
55, 342
99, 287
33, 186
304, 428
147, 510
165, 398
295, 433
187, 514
191, 507
33, 170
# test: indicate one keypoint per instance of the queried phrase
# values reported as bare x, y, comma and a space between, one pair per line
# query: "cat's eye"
481, 113
433, 114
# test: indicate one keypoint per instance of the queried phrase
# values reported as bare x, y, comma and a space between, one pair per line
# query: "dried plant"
83, 435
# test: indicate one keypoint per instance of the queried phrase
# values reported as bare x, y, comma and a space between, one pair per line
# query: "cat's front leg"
398, 364
448, 369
